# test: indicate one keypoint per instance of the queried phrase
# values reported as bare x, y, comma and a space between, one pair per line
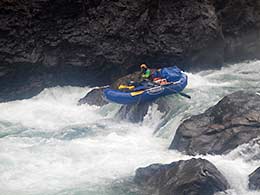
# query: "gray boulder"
254, 180
94, 97
193, 177
235, 120
136, 112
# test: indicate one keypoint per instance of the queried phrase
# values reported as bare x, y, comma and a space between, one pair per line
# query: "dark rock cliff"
80, 42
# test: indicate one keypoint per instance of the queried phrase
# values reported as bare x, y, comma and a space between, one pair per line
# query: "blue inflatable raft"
148, 91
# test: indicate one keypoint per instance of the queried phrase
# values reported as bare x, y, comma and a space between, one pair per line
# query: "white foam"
40, 159
153, 117
36, 164
53, 109
236, 171
50, 145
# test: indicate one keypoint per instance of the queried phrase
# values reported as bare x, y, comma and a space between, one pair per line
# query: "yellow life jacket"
126, 87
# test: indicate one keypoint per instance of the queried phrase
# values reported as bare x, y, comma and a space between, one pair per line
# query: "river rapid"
51, 146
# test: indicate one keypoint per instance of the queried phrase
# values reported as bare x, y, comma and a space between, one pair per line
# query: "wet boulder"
134, 113
235, 120
94, 97
137, 112
254, 180
194, 176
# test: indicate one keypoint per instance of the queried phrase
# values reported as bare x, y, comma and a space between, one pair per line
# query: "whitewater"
51, 146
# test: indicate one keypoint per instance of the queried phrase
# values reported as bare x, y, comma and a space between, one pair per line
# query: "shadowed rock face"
110, 34
25, 81
254, 180
134, 113
240, 21
137, 112
106, 39
194, 176
235, 120
104, 34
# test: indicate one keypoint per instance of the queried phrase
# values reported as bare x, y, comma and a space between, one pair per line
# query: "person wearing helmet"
146, 72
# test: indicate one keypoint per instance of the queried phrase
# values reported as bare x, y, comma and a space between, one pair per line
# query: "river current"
51, 146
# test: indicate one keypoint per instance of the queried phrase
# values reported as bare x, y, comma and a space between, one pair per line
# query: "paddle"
185, 95
102, 87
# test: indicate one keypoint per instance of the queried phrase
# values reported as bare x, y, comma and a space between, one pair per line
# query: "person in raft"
152, 75
146, 72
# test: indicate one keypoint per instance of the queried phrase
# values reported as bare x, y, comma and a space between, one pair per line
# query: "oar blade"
185, 95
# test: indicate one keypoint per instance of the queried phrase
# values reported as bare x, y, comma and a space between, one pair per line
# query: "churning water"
51, 146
